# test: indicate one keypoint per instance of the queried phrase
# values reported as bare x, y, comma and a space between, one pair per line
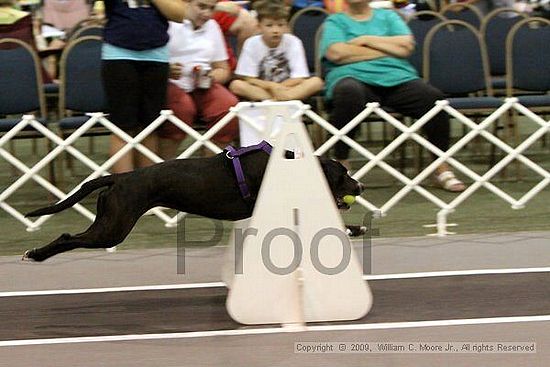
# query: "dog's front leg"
355, 231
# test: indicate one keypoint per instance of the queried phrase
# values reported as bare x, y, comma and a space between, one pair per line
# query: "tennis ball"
349, 199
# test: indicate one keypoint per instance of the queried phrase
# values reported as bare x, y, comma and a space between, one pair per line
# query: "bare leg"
442, 168
151, 143
126, 162
168, 148
248, 91
132, 159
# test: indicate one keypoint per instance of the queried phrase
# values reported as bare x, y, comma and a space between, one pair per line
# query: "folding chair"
460, 71
420, 24
304, 25
463, 11
527, 63
85, 23
494, 29
92, 30
21, 91
81, 87
527, 66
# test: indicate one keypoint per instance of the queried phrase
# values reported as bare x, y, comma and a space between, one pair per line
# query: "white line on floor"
163, 287
454, 273
221, 284
275, 330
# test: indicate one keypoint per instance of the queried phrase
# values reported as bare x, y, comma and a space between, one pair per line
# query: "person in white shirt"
198, 71
272, 65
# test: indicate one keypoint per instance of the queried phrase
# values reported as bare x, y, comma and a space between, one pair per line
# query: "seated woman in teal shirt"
364, 53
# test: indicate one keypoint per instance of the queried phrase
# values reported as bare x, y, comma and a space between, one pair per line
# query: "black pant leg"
414, 99
154, 86
349, 99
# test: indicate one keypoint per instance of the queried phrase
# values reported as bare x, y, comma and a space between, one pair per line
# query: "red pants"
210, 105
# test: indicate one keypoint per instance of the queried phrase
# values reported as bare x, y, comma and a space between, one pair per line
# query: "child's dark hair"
271, 9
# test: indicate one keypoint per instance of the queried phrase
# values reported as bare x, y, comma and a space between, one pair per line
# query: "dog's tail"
84, 191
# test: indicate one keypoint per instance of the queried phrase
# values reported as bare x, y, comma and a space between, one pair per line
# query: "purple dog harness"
234, 155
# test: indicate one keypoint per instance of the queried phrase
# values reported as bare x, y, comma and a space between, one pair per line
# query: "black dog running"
207, 187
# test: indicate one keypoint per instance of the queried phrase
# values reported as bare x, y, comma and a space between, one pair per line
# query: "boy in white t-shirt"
273, 65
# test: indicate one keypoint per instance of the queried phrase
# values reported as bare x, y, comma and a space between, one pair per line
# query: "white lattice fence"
275, 108
410, 132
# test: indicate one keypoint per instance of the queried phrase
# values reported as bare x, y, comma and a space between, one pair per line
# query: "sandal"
448, 182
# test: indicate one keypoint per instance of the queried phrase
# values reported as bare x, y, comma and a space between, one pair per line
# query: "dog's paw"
28, 256
356, 231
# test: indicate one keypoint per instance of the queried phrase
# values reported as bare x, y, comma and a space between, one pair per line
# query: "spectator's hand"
176, 70
56, 44
228, 7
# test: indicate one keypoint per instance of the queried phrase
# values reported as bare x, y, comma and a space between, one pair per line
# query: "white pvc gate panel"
298, 109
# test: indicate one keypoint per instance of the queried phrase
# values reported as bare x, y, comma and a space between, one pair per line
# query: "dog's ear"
331, 169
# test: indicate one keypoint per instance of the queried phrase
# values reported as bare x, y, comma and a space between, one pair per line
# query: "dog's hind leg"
114, 221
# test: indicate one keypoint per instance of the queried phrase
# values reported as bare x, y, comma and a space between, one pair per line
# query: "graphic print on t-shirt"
274, 67
133, 4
